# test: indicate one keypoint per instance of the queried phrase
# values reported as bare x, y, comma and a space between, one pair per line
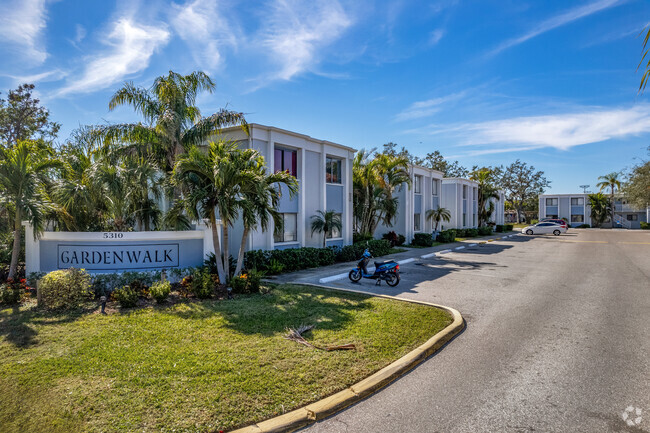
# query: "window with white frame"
577, 218
434, 187
416, 222
551, 201
335, 233
632, 217
577, 201
417, 184
289, 230
286, 160
333, 170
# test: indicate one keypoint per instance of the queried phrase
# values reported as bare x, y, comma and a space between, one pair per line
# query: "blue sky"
486, 82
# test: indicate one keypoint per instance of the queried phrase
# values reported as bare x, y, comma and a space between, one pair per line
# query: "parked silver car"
543, 228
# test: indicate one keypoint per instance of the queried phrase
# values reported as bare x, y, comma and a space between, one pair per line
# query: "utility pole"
584, 188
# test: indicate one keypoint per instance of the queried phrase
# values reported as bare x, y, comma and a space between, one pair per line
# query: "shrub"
485, 231
160, 291
471, 233
203, 283
447, 236
536, 221
508, 227
391, 237
500, 228
275, 267
12, 291
126, 296
422, 240
361, 237
644, 225
255, 280
239, 284
64, 289
400, 240
247, 283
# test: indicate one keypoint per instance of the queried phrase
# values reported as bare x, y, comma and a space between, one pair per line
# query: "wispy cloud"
421, 109
435, 36
21, 25
296, 31
555, 22
559, 131
130, 47
203, 25
47, 76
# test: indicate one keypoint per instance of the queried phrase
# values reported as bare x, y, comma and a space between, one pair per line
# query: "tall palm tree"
172, 122
600, 207
259, 202
24, 170
374, 183
486, 191
437, 215
613, 182
325, 222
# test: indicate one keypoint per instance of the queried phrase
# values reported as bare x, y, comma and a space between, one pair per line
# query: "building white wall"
453, 200
498, 216
315, 194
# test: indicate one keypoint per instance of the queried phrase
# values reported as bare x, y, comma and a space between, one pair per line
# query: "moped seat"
384, 262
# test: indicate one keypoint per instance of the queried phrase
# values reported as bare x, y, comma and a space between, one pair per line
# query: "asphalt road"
557, 340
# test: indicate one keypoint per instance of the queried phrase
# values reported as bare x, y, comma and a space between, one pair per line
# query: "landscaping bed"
198, 366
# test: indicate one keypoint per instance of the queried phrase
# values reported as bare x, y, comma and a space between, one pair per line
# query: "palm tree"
325, 223
24, 170
374, 183
600, 208
612, 181
259, 202
172, 122
646, 73
486, 191
437, 215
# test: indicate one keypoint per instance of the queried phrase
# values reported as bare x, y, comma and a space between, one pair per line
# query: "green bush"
64, 289
644, 225
275, 267
11, 292
391, 237
535, 221
485, 230
400, 240
239, 284
499, 228
247, 283
583, 226
361, 237
255, 280
508, 227
126, 296
160, 291
446, 236
471, 233
422, 240
203, 283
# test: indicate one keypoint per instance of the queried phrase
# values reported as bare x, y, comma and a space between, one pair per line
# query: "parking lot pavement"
556, 339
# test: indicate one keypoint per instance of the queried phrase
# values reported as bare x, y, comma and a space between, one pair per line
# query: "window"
551, 202
578, 201
418, 184
553, 217
577, 218
464, 191
286, 160
416, 222
335, 233
333, 170
289, 230
434, 187
632, 217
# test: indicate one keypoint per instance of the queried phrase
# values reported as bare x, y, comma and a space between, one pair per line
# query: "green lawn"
196, 366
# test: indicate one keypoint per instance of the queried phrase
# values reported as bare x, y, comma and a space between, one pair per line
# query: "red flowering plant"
12, 291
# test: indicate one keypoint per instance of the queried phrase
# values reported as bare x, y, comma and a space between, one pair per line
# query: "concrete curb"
321, 409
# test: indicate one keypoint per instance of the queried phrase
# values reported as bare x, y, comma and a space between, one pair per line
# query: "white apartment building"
324, 173
460, 197
498, 216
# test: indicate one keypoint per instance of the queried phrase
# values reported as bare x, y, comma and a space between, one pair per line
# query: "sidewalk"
340, 270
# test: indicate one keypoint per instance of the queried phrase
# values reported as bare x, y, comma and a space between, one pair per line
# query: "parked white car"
544, 228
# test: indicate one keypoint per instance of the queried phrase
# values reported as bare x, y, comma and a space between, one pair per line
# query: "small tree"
600, 208
437, 215
325, 223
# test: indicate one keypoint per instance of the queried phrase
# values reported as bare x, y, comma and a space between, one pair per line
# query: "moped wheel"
355, 275
393, 279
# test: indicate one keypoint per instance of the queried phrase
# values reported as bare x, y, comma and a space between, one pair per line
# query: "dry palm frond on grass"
296, 335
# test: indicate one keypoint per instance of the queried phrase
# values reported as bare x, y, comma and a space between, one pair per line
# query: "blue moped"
387, 270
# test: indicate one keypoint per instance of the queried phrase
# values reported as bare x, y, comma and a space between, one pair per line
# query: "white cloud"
435, 36
556, 21
131, 46
421, 109
559, 131
21, 25
202, 24
296, 31
53, 75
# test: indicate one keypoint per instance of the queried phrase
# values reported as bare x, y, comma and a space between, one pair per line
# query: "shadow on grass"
18, 326
282, 308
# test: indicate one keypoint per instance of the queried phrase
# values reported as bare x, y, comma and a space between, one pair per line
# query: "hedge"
447, 236
422, 240
645, 225
485, 231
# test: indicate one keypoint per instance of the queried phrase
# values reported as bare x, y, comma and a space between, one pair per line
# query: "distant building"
576, 210
460, 197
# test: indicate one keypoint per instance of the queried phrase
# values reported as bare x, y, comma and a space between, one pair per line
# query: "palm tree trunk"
324, 239
240, 256
226, 252
217, 247
611, 200
15, 252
